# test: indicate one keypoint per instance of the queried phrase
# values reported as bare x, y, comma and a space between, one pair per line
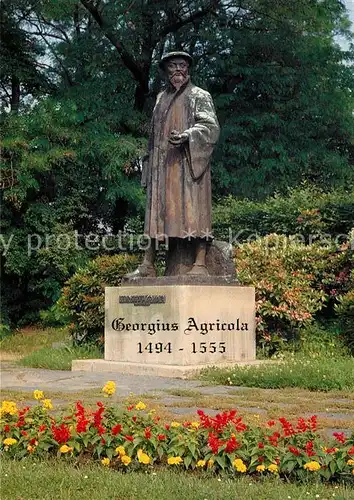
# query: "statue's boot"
145, 270
198, 270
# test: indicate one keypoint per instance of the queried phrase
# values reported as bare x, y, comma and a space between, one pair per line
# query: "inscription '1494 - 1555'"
120, 325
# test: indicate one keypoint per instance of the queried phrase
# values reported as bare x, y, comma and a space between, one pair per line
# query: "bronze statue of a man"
176, 175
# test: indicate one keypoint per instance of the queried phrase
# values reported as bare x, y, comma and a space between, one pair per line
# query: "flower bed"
133, 437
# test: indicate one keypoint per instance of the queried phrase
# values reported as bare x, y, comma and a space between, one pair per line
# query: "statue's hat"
177, 53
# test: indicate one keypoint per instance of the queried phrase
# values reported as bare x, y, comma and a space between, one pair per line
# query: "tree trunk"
15, 93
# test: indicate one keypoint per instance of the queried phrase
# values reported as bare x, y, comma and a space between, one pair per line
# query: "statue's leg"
146, 268
199, 266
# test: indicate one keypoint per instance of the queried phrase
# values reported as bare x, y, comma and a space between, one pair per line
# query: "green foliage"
307, 212
62, 181
83, 295
285, 100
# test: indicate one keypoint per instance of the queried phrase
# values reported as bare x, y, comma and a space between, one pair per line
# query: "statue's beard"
178, 78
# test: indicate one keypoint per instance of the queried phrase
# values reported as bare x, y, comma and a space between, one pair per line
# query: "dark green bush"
83, 295
305, 211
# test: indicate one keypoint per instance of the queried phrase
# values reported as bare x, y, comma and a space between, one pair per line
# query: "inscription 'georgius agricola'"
120, 325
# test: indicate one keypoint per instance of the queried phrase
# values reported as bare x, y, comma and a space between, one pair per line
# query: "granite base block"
172, 371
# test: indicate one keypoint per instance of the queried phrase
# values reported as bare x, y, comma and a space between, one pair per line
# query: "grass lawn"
36, 348
311, 371
58, 481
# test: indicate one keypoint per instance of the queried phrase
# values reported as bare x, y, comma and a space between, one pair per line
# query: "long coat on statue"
177, 178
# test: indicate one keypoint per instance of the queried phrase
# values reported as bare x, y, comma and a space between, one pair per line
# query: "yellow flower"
109, 388
273, 468
195, 424
140, 406
30, 448
65, 448
312, 466
121, 451
210, 463
175, 424
9, 441
143, 457
125, 460
38, 395
174, 460
239, 465
353, 472
350, 461
47, 404
8, 408
201, 463
260, 468
105, 461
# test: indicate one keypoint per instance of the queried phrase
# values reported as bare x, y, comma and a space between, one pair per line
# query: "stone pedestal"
174, 326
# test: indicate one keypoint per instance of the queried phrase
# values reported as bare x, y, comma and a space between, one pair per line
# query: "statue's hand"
176, 138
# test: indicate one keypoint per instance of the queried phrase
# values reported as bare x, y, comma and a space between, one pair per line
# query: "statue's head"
176, 66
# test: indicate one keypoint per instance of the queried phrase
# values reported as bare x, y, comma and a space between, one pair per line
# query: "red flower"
273, 439
220, 420
117, 429
309, 449
134, 418
61, 434
214, 442
100, 429
147, 432
232, 445
270, 423
6, 428
260, 459
340, 437
20, 423
287, 427
167, 427
24, 433
161, 437
42, 428
351, 451
103, 441
313, 422
301, 425
260, 446
98, 416
129, 408
330, 450
294, 450
32, 441
81, 426
129, 438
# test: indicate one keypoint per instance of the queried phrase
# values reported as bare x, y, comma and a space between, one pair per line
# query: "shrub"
133, 438
293, 282
345, 314
305, 211
83, 295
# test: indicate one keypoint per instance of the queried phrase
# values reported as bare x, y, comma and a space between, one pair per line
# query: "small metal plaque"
142, 300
